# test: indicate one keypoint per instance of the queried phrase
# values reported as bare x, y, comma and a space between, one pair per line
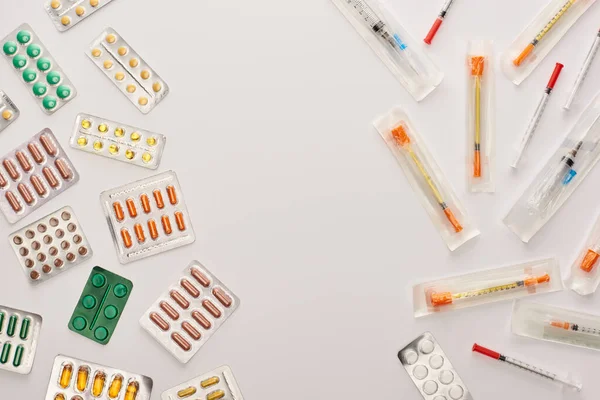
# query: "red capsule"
223, 297
211, 308
22, 159
38, 185
172, 195
25, 193
13, 201
50, 177
190, 288
200, 277
3, 181
145, 203
190, 330
181, 342
169, 310
48, 145
159, 321
63, 169
12, 170
179, 299
35, 152
201, 319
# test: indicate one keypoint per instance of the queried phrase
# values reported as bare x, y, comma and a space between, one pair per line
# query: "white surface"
297, 204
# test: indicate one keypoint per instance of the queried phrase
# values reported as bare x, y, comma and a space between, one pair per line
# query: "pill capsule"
5, 353
179, 299
50, 177
35, 152
13, 201
65, 376
3, 181
209, 382
190, 330
216, 395
159, 321
18, 357
12, 326
181, 342
201, 319
63, 169
48, 145
200, 277
38, 185
158, 198
211, 308
166, 224
223, 297
25, 193
153, 230
59, 396
126, 238
82, 378
190, 288
131, 207
118, 211
98, 385
145, 203
169, 310
139, 233
115, 386
22, 159
180, 221
11, 169
172, 195
25, 325
187, 392
132, 391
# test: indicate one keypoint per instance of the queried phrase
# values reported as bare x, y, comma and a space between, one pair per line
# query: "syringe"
443, 298
527, 367
584, 70
438, 22
569, 326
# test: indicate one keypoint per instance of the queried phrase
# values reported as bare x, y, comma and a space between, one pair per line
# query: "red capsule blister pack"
32, 174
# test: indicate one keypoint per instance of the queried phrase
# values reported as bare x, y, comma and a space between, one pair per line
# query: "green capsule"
63, 91
34, 50
25, 328
24, 37
12, 326
44, 64
49, 102
5, 353
19, 61
1, 321
53, 77
29, 75
9, 48
18, 355
40, 89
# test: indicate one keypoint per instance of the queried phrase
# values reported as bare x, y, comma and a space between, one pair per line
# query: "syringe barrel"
583, 72
533, 124
542, 372
446, 7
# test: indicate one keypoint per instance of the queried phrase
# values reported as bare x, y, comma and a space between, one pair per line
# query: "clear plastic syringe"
569, 326
583, 72
528, 367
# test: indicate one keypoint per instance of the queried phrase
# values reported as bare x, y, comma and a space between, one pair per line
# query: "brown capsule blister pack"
32, 174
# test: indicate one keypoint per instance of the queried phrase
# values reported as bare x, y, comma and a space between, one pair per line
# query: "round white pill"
426, 346
411, 357
456, 392
430, 387
446, 377
436, 361
420, 372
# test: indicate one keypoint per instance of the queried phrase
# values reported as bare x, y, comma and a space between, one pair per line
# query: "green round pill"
44, 64
34, 50
39, 88
79, 323
120, 290
111, 312
19, 61
53, 77
49, 102
9, 48
98, 280
63, 91
101, 333
29, 75
88, 302
24, 37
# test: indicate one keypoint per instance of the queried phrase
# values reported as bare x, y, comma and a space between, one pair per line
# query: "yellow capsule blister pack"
117, 141
132, 75
215, 385
67, 13
72, 378
8, 111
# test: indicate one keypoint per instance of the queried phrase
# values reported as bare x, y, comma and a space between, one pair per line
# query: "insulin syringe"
584, 70
535, 120
438, 21
527, 367
569, 326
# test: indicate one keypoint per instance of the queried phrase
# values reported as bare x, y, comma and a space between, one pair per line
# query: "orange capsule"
201, 319
126, 238
50, 177
153, 230
131, 207
223, 297
200, 277
180, 221
211, 308
48, 145
118, 211
38, 185
145, 203
190, 288
13, 201
35, 153
139, 233
169, 310
3, 181
159, 321
12, 170
22, 159
166, 224
63, 169
190, 330
172, 195
158, 198
25, 193
179, 299
184, 344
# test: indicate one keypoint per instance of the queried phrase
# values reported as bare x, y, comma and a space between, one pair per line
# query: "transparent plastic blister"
218, 384
481, 136
585, 275
540, 36
426, 178
555, 324
65, 14
585, 68
559, 178
8, 111
487, 286
19, 335
403, 56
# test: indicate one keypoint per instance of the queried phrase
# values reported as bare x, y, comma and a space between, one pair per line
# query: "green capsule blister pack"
19, 332
100, 305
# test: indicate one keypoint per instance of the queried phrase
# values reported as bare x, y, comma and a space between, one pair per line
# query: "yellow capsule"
7, 114
217, 394
98, 145
145, 74
146, 157
151, 141
156, 86
110, 38
82, 378
119, 76
65, 20
129, 154
133, 62
93, 3
115, 387
130, 88
122, 50
55, 4
135, 136
79, 11
113, 149
119, 132
59, 396
82, 141
65, 376
108, 64
103, 128
187, 392
96, 52
142, 101
98, 385
132, 390
209, 382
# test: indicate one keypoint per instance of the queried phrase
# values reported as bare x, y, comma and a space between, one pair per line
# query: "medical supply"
129, 72
589, 59
438, 21
147, 217
393, 45
487, 286
67, 13
50, 245
19, 334
540, 36
100, 305
214, 385
38, 70
33, 174
585, 272
537, 115
8, 111
190, 312
117, 141
431, 371
426, 178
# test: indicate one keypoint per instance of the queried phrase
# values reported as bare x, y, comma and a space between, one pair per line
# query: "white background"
297, 203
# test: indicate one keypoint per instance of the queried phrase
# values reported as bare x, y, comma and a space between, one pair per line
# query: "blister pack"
37, 69
75, 379
8, 111
50, 245
431, 371
33, 174
130, 73
19, 332
214, 385
117, 141
148, 203
67, 13
190, 312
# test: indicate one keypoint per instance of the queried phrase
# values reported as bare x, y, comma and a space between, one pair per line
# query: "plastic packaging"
481, 142
129, 72
216, 384
585, 271
37, 69
393, 45
540, 36
431, 371
487, 286
67, 13
19, 334
117, 141
438, 21
559, 178
8, 111
33, 174
51, 245
426, 178
75, 379
587, 63
554, 324
190, 312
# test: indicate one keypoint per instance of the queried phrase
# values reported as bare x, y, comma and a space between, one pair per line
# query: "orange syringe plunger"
524, 54
477, 64
560, 324
440, 299
400, 135
536, 280
589, 261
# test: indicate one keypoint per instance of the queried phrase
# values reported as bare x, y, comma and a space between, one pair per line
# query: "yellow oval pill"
113, 149
186, 392
7, 114
151, 141
119, 132
145, 74
98, 145
55, 4
79, 11
130, 88
129, 154
122, 50
96, 52
65, 20
135, 136
110, 38
156, 86
133, 62
93, 3
146, 157
142, 101
119, 76
108, 64
82, 141
85, 124
103, 128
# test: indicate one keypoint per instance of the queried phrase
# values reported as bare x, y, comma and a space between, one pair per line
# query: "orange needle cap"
589, 261
440, 299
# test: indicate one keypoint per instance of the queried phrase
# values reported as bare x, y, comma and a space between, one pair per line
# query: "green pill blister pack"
34, 65
100, 305
19, 332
